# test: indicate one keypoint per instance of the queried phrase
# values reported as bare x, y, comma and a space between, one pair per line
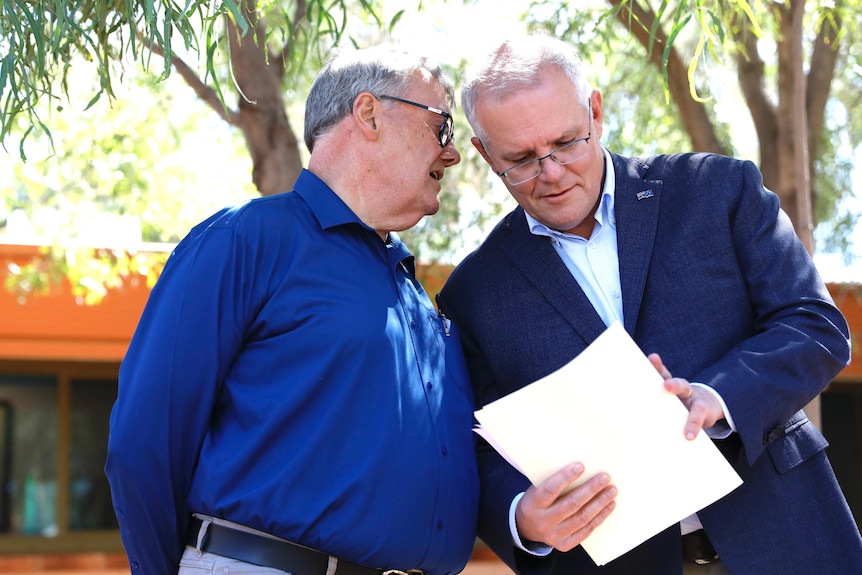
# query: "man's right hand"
547, 514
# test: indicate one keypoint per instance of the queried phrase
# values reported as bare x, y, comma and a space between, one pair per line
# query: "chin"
432, 208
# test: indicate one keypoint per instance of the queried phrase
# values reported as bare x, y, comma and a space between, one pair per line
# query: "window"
29, 455
54, 421
89, 496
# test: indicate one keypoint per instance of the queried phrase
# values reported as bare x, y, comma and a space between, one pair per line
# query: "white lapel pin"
645, 194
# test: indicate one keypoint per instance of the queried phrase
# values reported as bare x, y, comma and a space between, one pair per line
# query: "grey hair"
378, 70
516, 64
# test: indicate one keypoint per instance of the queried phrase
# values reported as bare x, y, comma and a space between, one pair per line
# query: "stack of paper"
608, 409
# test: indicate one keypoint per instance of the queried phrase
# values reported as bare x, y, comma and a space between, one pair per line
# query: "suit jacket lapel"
537, 259
636, 206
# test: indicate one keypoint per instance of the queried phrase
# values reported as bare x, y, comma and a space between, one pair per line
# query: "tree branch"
299, 15
639, 21
203, 91
750, 73
824, 57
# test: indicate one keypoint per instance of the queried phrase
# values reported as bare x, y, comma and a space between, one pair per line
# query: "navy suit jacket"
715, 280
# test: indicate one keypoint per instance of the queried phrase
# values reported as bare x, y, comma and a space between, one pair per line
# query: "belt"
697, 548
271, 552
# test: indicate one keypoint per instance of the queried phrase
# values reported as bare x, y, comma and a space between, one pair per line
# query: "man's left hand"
704, 410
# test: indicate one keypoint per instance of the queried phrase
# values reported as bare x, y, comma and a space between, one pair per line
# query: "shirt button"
429, 385
439, 524
412, 323
134, 565
444, 451
592, 245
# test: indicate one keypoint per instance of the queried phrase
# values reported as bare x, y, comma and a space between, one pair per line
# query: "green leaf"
238, 18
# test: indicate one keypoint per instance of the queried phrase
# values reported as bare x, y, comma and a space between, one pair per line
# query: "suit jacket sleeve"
756, 322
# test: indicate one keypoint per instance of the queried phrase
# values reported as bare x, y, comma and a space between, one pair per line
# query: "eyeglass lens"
565, 154
447, 129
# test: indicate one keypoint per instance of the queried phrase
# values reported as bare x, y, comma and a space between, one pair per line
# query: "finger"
578, 536
547, 492
589, 505
704, 411
584, 501
701, 413
694, 423
542, 510
659, 366
571, 518
679, 387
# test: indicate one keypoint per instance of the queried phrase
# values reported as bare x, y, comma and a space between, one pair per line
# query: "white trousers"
194, 562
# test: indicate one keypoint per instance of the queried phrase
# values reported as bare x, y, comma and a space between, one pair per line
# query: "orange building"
58, 380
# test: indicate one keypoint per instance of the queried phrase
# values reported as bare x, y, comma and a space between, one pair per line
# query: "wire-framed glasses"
565, 154
447, 129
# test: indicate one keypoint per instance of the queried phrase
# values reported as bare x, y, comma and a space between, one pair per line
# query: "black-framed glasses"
447, 129
565, 154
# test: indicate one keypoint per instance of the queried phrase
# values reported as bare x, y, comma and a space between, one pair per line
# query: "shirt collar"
331, 211
604, 214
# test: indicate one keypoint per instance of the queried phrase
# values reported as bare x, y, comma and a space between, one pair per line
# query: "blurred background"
124, 124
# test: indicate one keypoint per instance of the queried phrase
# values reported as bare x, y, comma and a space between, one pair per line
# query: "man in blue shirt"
290, 383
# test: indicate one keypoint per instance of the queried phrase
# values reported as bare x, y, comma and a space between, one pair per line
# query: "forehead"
532, 117
428, 91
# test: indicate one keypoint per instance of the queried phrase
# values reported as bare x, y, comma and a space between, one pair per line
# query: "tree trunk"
804, 221
750, 73
262, 116
785, 187
824, 58
787, 126
805, 218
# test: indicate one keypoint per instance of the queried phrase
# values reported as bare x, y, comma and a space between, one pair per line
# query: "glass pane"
90, 497
28, 467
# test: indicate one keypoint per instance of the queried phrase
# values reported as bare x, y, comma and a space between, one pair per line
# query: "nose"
550, 169
450, 154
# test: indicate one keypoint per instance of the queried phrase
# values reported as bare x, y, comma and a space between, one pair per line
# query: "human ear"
477, 143
366, 115
598, 112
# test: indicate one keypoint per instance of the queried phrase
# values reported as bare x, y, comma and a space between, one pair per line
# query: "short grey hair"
378, 70
516, 64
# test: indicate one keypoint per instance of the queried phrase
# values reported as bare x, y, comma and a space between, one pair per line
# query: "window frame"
66, 540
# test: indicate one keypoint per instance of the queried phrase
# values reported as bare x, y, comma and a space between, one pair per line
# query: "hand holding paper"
608, 409
560, 515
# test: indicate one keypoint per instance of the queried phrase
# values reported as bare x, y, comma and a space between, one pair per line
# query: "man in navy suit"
695, 258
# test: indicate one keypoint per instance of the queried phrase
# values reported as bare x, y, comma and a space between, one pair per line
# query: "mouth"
555, 194
436, 174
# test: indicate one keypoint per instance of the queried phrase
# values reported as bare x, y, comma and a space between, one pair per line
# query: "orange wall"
56, 328
848, 298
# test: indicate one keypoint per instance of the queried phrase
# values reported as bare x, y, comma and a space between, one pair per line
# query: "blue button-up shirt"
290, 374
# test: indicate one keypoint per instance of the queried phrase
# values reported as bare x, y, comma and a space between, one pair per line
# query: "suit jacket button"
773, 435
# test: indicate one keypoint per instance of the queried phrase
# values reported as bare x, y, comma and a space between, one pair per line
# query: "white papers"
608, 409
